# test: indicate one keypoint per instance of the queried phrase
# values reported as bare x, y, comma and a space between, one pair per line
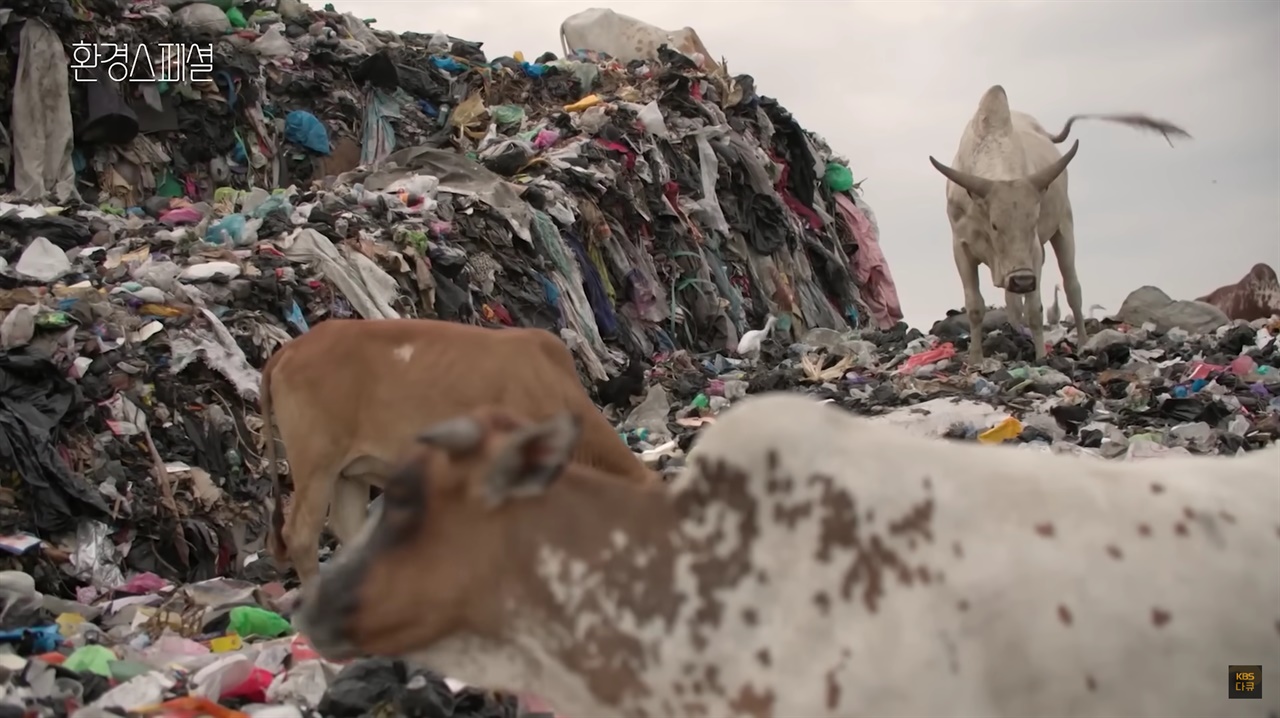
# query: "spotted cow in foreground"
811, 563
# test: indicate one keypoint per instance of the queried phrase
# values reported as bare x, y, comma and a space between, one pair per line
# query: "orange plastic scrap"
190, 707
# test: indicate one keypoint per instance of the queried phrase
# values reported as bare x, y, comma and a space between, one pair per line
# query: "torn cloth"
871, 270
369, 289
41, 126
219, 350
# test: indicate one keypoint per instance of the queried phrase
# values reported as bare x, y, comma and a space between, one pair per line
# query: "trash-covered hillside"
188, 185
162, 235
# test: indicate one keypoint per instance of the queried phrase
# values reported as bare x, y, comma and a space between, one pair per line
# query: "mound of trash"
295, 165
1131, 391
189, 185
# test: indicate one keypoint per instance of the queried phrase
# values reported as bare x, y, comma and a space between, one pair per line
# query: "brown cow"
1256, 296
350, 396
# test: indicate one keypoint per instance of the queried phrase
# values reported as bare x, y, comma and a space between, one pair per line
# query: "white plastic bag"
203, 17
272, 44
651, 117
439, 43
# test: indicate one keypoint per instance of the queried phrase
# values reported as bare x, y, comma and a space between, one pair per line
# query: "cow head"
438, 542
1011, 209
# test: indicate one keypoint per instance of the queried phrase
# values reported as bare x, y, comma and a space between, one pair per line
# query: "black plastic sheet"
35, 398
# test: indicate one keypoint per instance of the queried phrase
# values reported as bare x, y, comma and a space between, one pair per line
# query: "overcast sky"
890, 83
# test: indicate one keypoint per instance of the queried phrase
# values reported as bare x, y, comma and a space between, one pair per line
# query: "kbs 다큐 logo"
1244, 682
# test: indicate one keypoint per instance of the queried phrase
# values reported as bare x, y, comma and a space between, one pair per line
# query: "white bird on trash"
1054, 314
1092, 310
749, 344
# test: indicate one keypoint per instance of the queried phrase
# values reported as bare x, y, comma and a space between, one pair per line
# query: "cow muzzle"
1021, 282
325, 618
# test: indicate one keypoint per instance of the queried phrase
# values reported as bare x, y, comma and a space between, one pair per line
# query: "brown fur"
350, 396
1255, 296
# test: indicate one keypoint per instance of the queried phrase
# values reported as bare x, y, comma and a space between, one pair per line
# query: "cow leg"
1035, 320
349, 509
1064, 248
975, 306
313, 488
1015, 309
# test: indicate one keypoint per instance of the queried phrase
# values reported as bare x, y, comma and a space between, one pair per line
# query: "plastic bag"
303, 128
651, 117
228, 230
440, 44
274, 203
507, 114
508, 158
271, 44
253, 621
236, 18
203, 18
838, 178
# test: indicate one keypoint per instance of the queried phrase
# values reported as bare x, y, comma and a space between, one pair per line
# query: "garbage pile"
188, 185
1132, 391
204, 649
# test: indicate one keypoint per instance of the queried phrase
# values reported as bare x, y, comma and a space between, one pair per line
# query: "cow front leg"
349, 509
1064, 248
974, 305
1035, 320
1015, 309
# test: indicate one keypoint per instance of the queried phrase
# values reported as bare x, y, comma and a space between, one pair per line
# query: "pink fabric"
870, 269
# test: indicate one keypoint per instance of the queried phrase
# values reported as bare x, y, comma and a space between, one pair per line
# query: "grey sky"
889, 83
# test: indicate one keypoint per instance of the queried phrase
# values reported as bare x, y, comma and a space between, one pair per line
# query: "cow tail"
276, 545
564, 42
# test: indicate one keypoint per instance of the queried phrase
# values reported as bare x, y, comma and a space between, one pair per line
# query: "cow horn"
1045, 177
461, 434
975, 185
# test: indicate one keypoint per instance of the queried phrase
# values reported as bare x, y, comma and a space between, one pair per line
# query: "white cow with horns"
1007, 197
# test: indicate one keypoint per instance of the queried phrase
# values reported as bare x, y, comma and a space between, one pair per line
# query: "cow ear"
531, 458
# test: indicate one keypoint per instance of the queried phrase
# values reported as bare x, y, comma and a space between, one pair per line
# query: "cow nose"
1021, 283
325, 628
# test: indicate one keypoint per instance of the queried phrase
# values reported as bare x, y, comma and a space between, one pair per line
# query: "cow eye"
994, 228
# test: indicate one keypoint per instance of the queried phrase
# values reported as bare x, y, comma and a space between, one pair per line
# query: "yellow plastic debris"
518, 57
1010, 428
584, 103
226, 644
69, 620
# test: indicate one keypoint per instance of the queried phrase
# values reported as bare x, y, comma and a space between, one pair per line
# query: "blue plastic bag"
302, 128
228, 230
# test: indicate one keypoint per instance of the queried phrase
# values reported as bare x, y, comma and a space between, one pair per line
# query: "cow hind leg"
1064, 248
312, 493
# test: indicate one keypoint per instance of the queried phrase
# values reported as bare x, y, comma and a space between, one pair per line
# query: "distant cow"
1256, 296
814, 563
1006, 198
626, 38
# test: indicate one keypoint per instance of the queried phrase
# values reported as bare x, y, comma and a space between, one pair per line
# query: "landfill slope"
159, 240
329, 170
